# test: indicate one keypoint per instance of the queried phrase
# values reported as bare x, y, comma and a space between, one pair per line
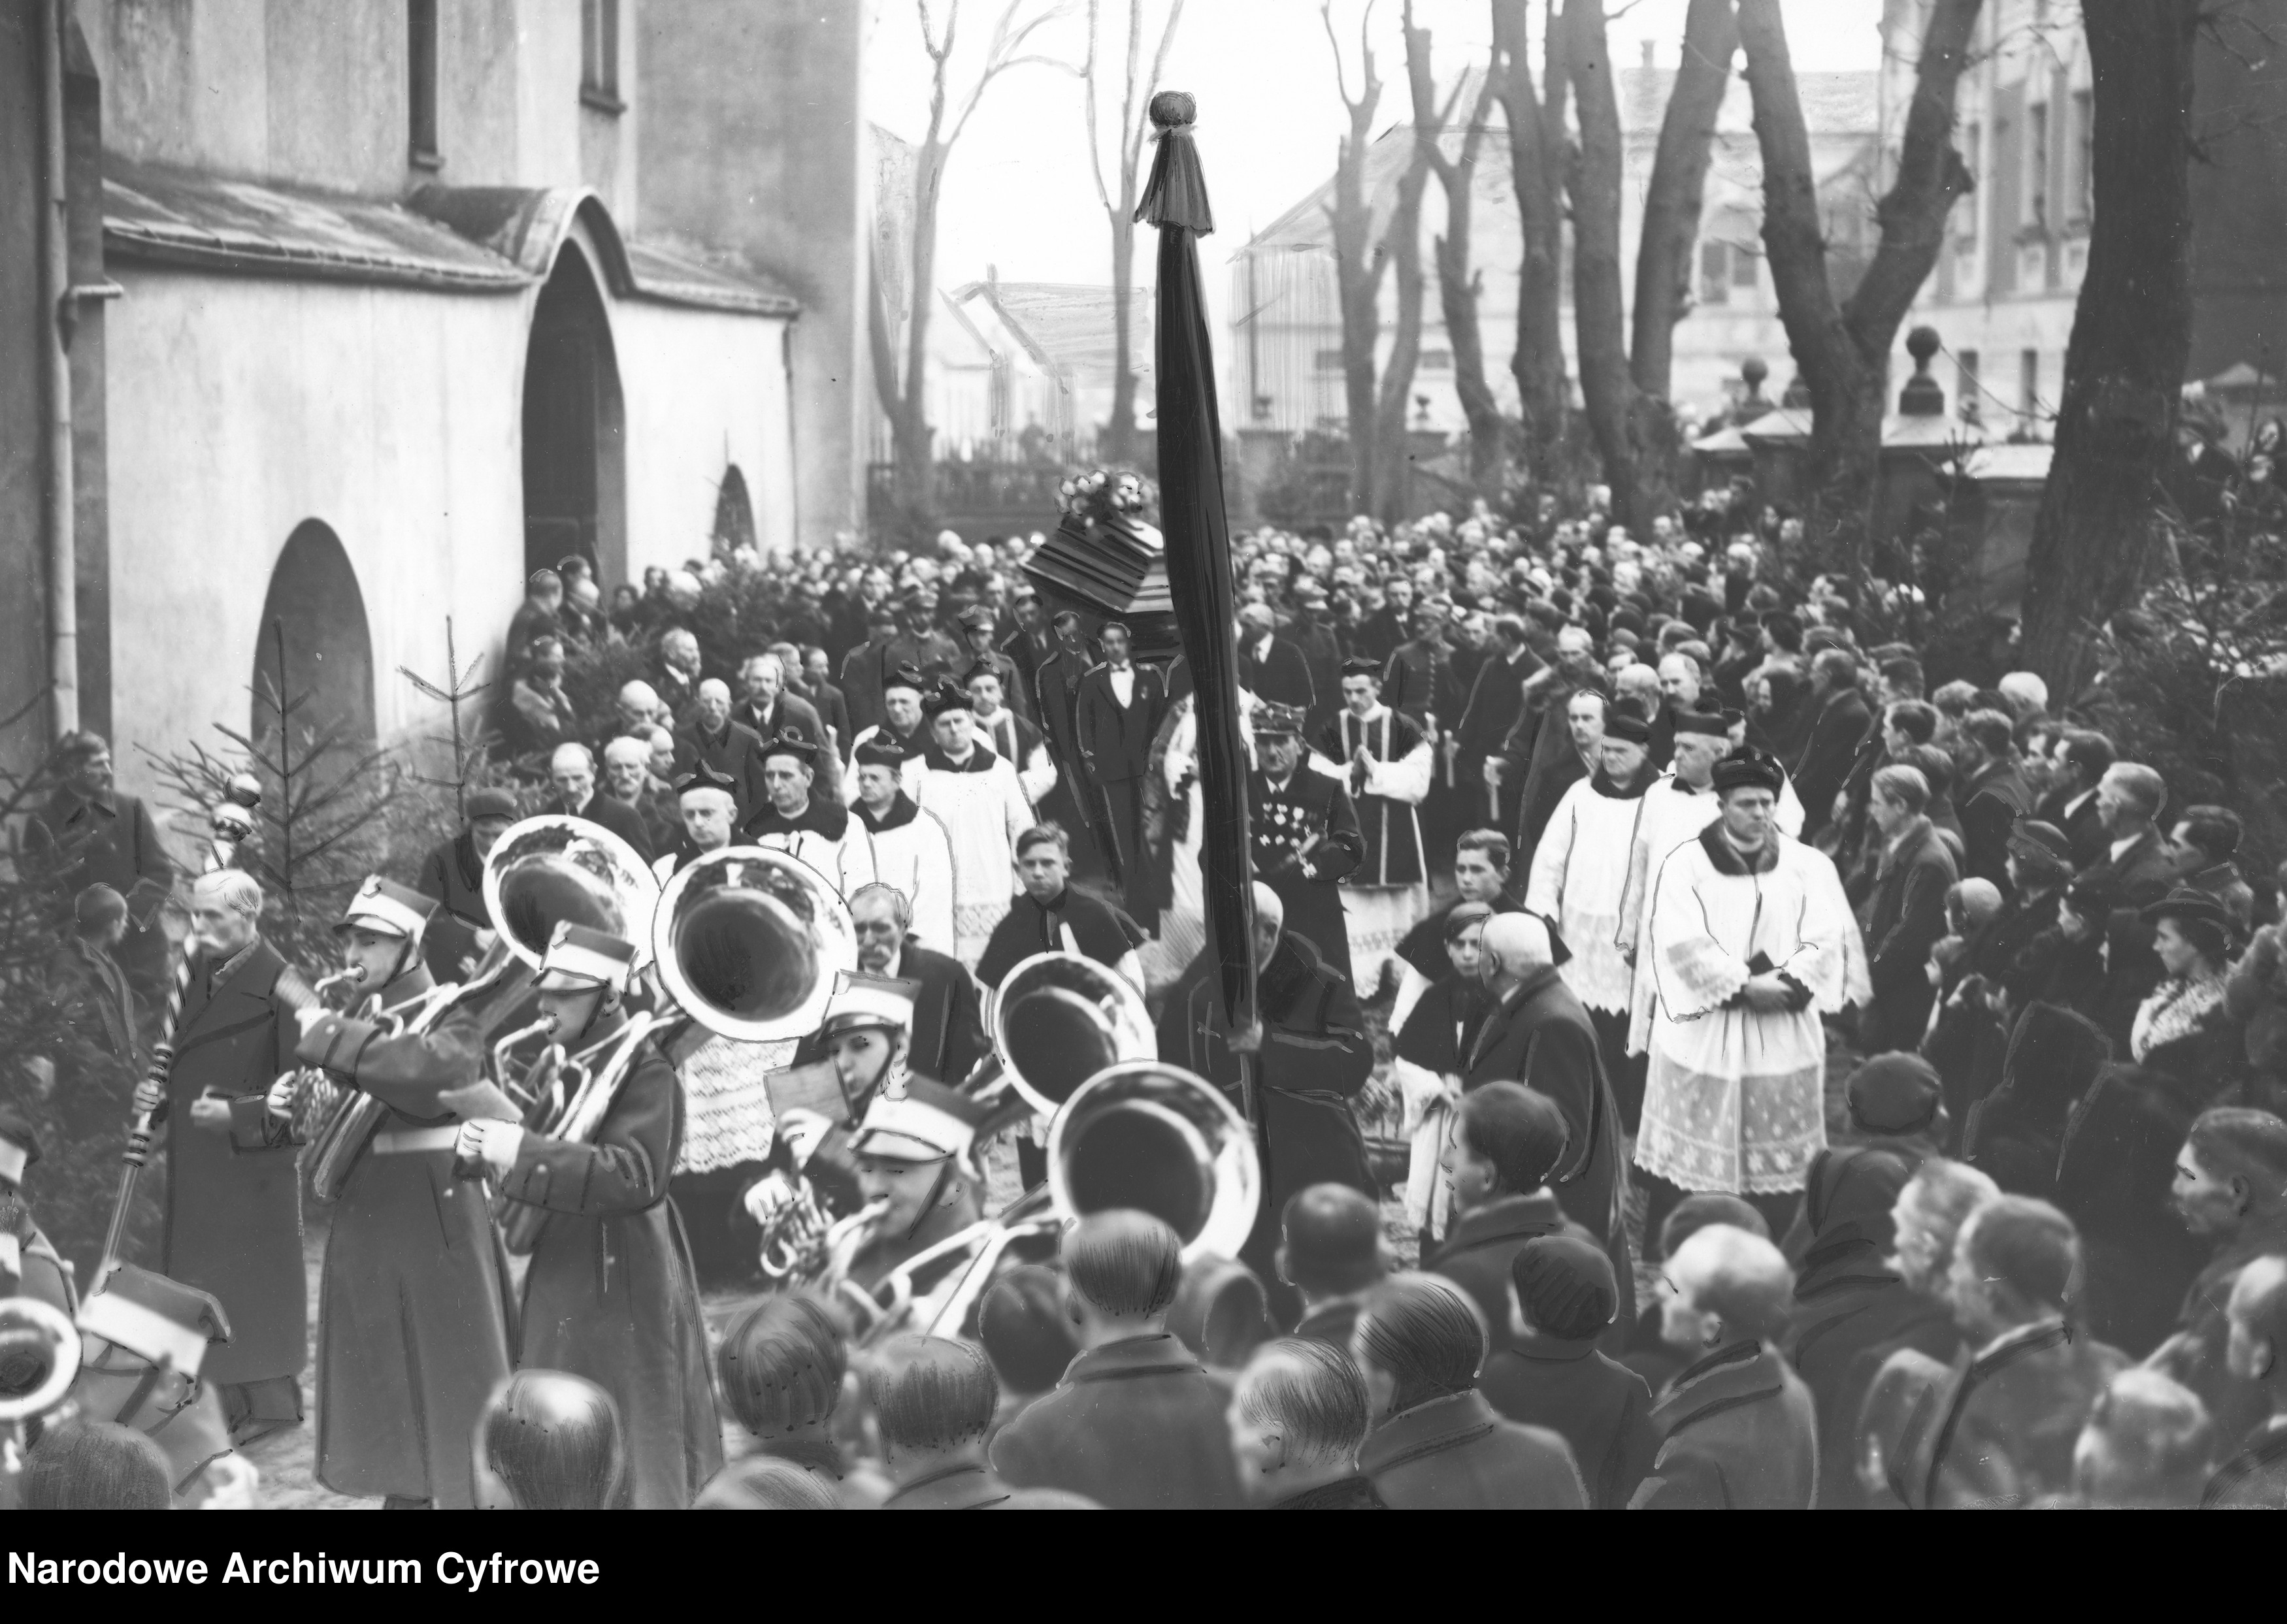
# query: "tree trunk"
1598, 313
1672, 198
1357, 275
1457, 285
2131, 340
909, 425
1843, 352
1536, 137
1401, 246
1120, 434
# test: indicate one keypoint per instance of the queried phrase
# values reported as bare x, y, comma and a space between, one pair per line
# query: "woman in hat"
2182, 1029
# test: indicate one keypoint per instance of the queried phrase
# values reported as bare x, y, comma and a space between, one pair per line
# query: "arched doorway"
314, 622
574, 472
734, 514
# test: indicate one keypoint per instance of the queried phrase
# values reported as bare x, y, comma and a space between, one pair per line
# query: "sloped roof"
465, 238
185, 217
1067, 326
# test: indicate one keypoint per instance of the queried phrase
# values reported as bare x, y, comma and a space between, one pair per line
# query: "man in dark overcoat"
1914, 871
414, 1322
90, 833
454, 874
1310, 1058
233, 1211
1538, 1033
1841, 719
1304, 831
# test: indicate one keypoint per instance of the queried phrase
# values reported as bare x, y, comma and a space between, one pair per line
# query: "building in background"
1284, 358
2016, 248
413, 295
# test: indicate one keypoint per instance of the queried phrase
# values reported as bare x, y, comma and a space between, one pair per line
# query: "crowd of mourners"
1706, 1059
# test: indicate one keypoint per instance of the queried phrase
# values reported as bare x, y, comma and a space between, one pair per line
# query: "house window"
2036, 166
2028, 383
2083, 159
1329, 360
1436, 360
599, 54
1714, 273
421, 84
1967, 392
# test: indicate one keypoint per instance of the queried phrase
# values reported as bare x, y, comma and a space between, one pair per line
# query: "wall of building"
318, 94
241, 407
23, 608
752, 140
705, 391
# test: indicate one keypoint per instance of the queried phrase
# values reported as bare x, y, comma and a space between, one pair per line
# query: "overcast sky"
1017, 193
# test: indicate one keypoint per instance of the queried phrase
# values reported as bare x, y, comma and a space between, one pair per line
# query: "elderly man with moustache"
947, 1036
727, 747
627, 780
572, 772
768, 708
233, 1198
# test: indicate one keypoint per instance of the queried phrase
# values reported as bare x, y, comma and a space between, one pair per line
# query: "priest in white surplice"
977, 796
1749, 940
1385, 760
1580, 873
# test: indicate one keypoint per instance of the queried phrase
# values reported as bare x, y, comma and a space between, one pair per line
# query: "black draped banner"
1199, 543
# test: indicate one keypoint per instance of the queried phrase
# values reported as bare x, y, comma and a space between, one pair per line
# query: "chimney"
1648, 53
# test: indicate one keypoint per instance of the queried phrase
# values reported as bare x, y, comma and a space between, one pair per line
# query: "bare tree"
1536, 147
904, 400
1673, 197
1360, 258
1401, 246
2131, 338
1135, 121
1599, 317
1842, 348
1459, 285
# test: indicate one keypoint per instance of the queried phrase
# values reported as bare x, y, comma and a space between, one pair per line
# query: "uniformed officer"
413, 1322
915, 1153
29, 1265
611, 1294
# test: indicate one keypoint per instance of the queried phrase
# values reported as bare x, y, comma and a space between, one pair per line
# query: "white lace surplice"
1580, 873
1734, 1100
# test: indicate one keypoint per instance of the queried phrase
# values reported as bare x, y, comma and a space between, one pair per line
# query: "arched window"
734, 514
313, 623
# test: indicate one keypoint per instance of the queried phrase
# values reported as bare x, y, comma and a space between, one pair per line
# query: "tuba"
746, 943
1058, 1020
1138, 1133
39, 1358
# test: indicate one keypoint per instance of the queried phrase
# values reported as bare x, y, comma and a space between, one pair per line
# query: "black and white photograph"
1133, 755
